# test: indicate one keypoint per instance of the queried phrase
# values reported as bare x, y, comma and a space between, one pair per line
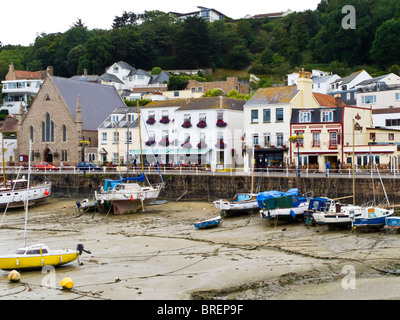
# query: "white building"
205, 131
117, 135
208, 14
346, 87
321, 80
19, 87
267, 117
381, 92
386, 117
125, 77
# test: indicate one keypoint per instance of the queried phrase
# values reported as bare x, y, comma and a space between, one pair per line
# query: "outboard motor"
80, 248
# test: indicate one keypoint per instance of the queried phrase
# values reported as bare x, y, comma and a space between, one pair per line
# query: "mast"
117, 137
252, 172
354, 181
4, 161
27, 192
140, 138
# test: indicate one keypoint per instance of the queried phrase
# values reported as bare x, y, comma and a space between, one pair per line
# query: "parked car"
45, 166
87, 166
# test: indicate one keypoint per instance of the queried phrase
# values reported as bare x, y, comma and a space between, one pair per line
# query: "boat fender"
14, 276
292, 214
131, 197
80, 248
46, 192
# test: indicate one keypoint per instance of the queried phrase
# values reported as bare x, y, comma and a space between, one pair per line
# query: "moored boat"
241, 202
127, 195
288, 206
13, 193
210, 223
373, 217
392, 222
331, 212
37, 256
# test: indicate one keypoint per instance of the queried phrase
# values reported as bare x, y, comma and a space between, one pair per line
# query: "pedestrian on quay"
328, 168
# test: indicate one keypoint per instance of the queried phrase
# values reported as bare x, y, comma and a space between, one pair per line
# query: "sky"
23, 20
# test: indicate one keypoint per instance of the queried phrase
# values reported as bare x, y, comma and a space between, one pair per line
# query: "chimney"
338, 100
11, 67
304, 85
85, 72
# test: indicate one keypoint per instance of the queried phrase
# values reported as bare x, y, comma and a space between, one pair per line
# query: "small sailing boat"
241, 202
125, 196
14, 192
331, 212
39, 255
128, 195
374, 216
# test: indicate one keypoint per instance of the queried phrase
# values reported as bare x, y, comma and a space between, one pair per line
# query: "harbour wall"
210, 187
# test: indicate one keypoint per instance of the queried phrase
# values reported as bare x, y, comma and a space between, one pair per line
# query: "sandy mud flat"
159, 255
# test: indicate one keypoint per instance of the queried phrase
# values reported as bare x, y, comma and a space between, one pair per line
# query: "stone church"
64, 114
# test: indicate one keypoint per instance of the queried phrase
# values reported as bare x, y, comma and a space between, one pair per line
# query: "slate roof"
200, 104
123, 122
161, 77
349, 78
316, 115
108, 77
273, 95
88, 78
97, 101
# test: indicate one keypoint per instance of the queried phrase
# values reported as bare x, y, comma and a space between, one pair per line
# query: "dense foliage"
309, 39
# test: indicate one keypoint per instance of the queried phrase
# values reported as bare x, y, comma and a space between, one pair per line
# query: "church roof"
97, 101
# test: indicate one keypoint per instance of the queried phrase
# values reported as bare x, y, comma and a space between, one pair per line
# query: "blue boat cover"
110, 184
142, 178
263, 196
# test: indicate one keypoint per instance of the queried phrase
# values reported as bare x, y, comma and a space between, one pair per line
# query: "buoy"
67, 283
46, 192
14, 276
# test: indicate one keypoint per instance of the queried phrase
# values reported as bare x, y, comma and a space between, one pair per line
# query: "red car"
45, 166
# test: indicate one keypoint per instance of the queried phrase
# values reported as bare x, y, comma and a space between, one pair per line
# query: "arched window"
64, 133
43, 132
47, 127
52, 132
31, 133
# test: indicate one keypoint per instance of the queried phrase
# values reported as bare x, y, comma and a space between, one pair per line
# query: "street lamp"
297, 138
83, 143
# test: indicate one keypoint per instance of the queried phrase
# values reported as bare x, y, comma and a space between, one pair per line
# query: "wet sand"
159, 255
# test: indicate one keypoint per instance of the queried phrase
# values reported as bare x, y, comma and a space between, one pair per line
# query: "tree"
127, 18
386, 46
193, 45
156, 70
98, 53
70, 39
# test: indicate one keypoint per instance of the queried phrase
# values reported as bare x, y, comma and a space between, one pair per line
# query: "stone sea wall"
210, 188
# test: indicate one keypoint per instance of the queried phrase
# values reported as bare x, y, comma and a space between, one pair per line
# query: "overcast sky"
22, 20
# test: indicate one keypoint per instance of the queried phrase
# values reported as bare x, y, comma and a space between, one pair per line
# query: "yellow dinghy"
38, 256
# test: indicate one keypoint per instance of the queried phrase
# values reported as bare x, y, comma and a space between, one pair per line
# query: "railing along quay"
285, 172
